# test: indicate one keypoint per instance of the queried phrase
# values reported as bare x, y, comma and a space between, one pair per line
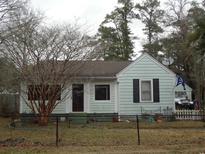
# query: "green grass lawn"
120, 137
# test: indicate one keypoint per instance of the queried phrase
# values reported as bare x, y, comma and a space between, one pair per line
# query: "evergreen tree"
196, 41
151, 15
114, 33
186, 43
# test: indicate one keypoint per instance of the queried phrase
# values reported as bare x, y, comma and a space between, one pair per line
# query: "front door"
78, 97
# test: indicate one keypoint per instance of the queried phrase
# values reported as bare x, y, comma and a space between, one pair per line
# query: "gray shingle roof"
82, 69
101, 68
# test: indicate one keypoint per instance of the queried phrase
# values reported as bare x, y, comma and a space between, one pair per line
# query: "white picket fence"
188, 115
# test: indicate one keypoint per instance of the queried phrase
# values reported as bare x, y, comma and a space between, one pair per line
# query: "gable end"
152, 59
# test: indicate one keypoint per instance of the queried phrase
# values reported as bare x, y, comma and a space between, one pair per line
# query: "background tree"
114, 33
185, 43
7, 9
197, 44
8, 76
45, 58
175, 44
177, 22
152, 16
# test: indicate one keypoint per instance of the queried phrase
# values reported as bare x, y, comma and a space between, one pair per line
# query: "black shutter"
156, 90
136, 94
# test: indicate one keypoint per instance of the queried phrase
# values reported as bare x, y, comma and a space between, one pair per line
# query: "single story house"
122, 87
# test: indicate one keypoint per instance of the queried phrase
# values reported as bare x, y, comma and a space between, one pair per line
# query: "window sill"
102, 101
149, 102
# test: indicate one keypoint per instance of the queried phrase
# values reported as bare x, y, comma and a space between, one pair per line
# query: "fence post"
57, 137
69, 123
138, 131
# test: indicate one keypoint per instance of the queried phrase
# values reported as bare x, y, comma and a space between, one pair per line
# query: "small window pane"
102, 92
146, 92
180, 94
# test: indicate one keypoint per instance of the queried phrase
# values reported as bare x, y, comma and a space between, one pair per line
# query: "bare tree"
186, 42
179, 28
7, 9
177, 15
46, 59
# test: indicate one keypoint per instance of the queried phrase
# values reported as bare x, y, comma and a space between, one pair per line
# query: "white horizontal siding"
107, 106
90, 104
181, 88
145, 69
24, 108
188, 90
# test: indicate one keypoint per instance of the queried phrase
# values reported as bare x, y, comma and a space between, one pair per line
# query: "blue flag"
181, 81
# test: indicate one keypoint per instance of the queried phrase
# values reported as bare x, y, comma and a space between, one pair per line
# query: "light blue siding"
90, 104
188, 90
24, 108
145, 68
107, 106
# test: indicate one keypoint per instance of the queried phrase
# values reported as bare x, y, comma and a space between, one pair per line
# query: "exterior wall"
188, 90
90, 104
146, 68
101, 106
24, 98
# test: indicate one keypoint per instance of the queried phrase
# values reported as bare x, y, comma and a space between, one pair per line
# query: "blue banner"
181, 81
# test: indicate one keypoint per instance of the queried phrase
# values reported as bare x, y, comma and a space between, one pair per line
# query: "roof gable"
181, 88
152, 59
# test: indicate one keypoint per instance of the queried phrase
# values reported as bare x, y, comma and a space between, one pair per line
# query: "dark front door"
78, 97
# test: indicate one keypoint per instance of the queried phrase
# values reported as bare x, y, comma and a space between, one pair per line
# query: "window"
102, 92
44, 92
180, 94
146, 90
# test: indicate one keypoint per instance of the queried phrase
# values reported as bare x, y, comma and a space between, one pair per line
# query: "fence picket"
187, 115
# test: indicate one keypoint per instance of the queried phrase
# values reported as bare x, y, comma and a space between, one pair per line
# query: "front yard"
165, 137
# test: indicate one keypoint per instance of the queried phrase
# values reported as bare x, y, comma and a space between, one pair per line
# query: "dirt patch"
18, 142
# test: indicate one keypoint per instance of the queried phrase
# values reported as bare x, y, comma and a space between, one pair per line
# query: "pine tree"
114, 32
151, 15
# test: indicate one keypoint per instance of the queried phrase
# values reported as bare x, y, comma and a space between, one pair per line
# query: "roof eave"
97, 77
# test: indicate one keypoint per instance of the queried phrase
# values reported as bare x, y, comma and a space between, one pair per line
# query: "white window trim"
110, 92
150, 101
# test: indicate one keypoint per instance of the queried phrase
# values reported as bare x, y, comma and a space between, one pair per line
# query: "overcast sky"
87, 12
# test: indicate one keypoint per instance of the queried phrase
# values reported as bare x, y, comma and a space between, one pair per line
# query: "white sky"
89, 12
86, 12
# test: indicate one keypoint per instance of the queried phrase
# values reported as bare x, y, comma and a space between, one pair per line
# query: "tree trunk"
43, 120
203, 102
